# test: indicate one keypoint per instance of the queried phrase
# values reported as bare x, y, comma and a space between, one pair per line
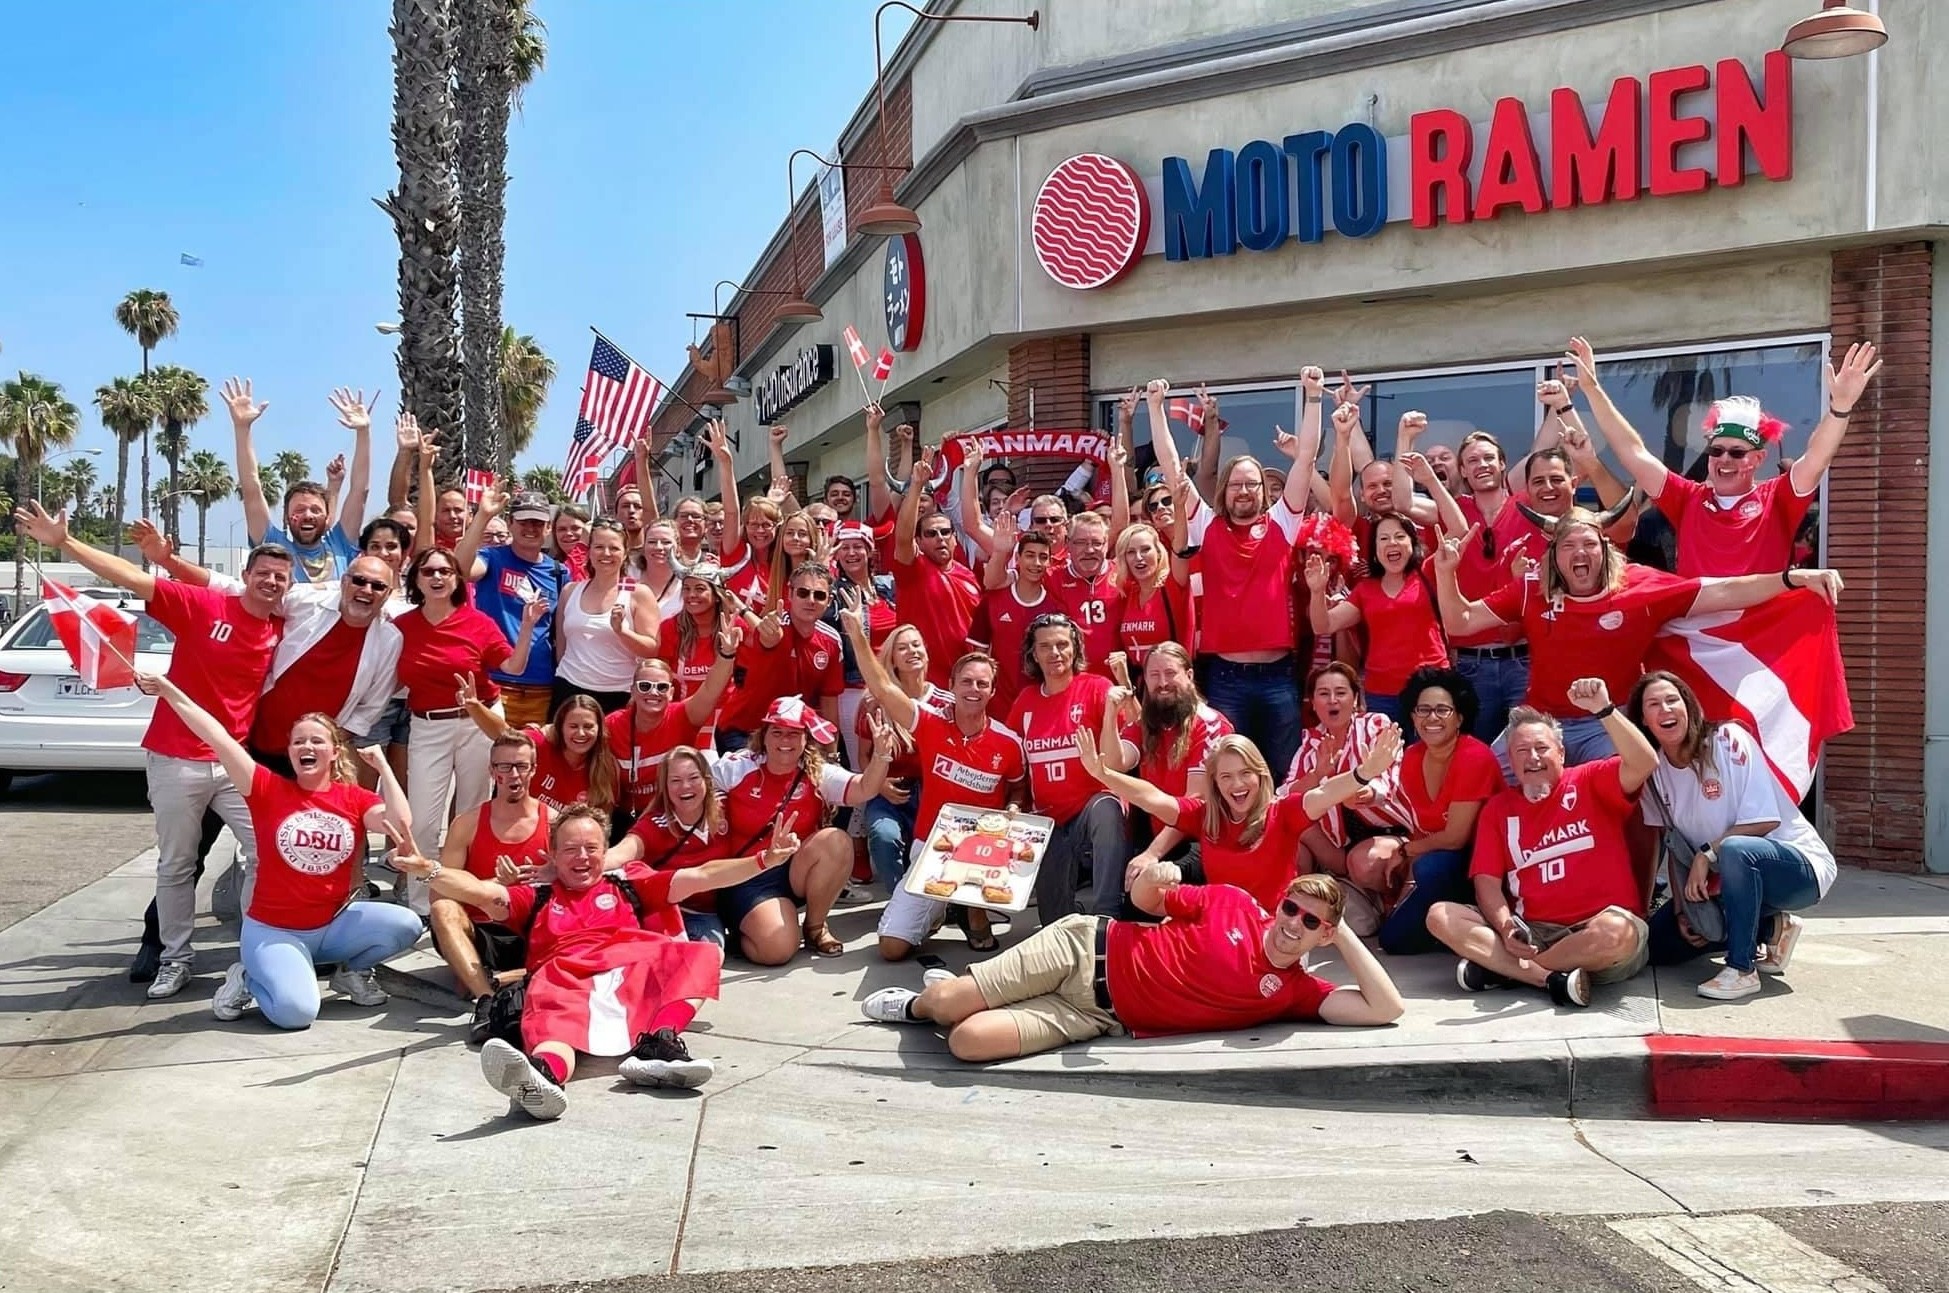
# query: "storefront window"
1251, 414
1503, 403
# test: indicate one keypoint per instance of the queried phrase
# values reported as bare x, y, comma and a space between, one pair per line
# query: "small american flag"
856, 348
617, 400
478, 481
883, 366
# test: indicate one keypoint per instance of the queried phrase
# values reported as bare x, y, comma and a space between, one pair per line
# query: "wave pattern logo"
1090, 221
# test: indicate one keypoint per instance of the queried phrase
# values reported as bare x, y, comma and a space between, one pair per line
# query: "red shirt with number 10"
1048, 725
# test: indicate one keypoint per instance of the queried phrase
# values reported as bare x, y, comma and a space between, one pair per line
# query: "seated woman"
783, 776
573, 761
1247, 836
683, 826
1754, 859
310, 860
604, 975
1446, 777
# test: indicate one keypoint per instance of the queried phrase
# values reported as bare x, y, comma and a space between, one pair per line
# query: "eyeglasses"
1434, 711
1053, 620
361, 581
650, 687
1288, 908
818, 595
512, 767
1731, 451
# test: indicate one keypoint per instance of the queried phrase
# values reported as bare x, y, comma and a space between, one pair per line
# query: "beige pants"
1543, 934
1046, 984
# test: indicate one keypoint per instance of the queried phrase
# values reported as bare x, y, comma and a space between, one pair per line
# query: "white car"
51, 721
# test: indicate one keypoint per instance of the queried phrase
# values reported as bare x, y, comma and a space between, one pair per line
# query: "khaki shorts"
1543, 934
1046, 985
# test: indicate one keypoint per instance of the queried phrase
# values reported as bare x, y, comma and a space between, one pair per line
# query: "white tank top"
593, 655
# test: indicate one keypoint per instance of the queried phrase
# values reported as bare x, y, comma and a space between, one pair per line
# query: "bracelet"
1557, 412
434, 874
1786, 577
1605, 712
722, 656
1359, 780
1312, 399
1843, 414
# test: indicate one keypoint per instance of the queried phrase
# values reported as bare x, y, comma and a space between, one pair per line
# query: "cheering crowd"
1267, 710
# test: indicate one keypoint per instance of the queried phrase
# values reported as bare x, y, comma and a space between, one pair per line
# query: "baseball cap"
530, 507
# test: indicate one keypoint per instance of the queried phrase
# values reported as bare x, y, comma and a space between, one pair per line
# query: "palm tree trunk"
143, 498
202, 523
172, 510
483, 91
22, 475
121, 489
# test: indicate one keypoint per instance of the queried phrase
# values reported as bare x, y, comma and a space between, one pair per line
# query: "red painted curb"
1805, 1081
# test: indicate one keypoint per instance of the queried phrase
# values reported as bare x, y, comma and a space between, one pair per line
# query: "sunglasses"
361, 581
1488, 544
436, 572
818, 595
504, 768
1733, 452
936, 534
1047, 520
649, 687
1288, 908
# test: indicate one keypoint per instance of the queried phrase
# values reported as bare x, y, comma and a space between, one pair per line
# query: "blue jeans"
1500, 685
889, 832
1262, 702
1584, 741
1758, 877
280, 965
1441, 876
1390, 705
703, 927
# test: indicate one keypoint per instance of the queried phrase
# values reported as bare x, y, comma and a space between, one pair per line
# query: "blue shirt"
498, 595
320, 563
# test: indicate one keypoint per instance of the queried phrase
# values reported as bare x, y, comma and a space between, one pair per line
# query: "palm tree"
272, 483
546, 481
424, 215
150, 317
128, 410
79, 477
34, 417
182, 400
526, 374
289, 467
207, 481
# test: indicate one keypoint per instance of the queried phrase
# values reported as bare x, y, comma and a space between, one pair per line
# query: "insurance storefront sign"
1678, 131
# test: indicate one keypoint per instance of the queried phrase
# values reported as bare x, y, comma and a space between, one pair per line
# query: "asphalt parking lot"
63, 830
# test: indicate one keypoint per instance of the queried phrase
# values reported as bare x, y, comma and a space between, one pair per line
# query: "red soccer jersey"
486, 849
1263, 869
1001, 623
1605, 636
1247, 573
1403, 632
223, 654
669, 847
1048, 725
1172, 775
310, 847
1144, 622
955, 768
1750, 535
1205, 968
905, 765
556, 783
1473, 776
755, 797
640, 751
693, 667
319, 680
806, 665
583, 920
466, 642
1564, 859
1093, 604
940, 601
747, 575
1485, 565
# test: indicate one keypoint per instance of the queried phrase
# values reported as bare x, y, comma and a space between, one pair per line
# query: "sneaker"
233, 996
1730, 985
1779, 952
1477, 978
171, 978
148, 959
359, 986
891, 1006
940, 974
662, 1059
477, 1030
517, 1077
1569, 988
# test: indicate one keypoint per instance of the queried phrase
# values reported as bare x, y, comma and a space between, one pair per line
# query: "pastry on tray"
941, 888
997, 889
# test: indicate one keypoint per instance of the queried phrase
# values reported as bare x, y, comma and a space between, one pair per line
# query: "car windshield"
38, 632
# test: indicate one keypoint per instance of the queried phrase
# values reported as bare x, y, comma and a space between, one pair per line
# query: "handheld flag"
99, 638
883, 367
478, 481
855, 347
618, 397
192, 261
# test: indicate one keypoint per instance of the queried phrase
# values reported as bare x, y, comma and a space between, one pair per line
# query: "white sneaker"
1779, 953
527, 1088
1730, 985
171, 978
233, 996
929, 978
889, 1006
359, 986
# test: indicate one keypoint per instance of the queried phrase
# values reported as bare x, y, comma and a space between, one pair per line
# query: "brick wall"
1057, 370
1877, 528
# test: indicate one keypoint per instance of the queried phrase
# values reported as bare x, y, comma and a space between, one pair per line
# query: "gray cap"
530, 507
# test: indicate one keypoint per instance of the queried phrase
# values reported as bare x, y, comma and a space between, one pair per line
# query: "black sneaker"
1570, 988
661, 1059
477, 1031
1478, 978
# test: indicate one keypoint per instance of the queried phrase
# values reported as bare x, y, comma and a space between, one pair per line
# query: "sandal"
820, 940
981, 935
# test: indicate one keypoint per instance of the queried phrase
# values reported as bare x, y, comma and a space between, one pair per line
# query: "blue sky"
647, 164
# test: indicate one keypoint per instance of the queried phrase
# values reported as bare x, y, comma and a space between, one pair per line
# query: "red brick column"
1057, 370
1877, 536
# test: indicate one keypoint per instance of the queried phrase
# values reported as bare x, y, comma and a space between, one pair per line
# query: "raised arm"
31, 520
334, 487
160, 553
427, 450
1420, 509
1342, 786
636, 624
908, 522
466, 550
781, 479
1448, 513
1139, 794
968, 487
531, 614
1741, 591
406, 455
1119, 468
355, 414
393, 814
1845, 387
1460, 616
994, 571
1636, 759
879, 499
1162, 443
725, 872
702, 703
236, 760
244, 412
1339, 472
1326, 616
903, 709
1639, 462
718, 440
870, 782
640, 455
491, 724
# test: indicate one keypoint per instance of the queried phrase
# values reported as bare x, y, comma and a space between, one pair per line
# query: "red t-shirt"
319, 680
1144, 622
1403, 632
582, 921
310, 849
466, 642
669, 847
1048, 725
556, 783
955, 768
694, 669
1564, 859
1247, 573
640, 751
754, 796
223, 654
1753, 536
1173, 776
1092, 603
1478, 575
1473, 776
1263, 869
806, 665
904, 766
1205, 968
940, 601
486, 849
1001, 623
1605, 636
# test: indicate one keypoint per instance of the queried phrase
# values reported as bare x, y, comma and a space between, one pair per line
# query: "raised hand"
244, 410
1448, 556
923, 458
729, 636
1381, 754
1590, 694
1580, 364
1118, 663
354, 410
1208, 402
32, 520
1346, 417
1086, 750
335, 471
779, 849
875, 417
779, 434
1846, 384
1006, 530
493, 502
1348, 393
618, 617
771, 629
1155, 390
1420, 471
463, 690
852, 618
373, 756
406, 432
154, 546
886, 744
717, 438
1317, 572
902, 436
1552, 394
1285, 442
1312, 380
1409, 428
1127, 407
532, 610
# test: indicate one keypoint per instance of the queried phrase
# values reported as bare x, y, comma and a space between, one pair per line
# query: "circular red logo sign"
1090, 221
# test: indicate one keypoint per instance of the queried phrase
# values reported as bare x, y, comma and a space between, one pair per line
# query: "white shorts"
911, 917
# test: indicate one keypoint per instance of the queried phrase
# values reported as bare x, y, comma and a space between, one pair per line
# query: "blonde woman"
1153, 606
603, 626
891, 814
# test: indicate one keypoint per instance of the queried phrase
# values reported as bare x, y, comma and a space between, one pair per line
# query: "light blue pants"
280, 965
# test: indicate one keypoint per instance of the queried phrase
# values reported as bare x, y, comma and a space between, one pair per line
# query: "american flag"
617, 400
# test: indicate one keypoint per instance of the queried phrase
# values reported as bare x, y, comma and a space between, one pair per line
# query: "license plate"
73, 687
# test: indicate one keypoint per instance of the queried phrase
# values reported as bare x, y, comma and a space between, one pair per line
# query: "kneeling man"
1216, 962
1558, 904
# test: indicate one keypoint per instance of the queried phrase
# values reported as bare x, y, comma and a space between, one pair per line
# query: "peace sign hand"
730, 636
1348, 392
783, 844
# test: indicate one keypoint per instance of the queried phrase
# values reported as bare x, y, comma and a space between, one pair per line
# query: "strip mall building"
1433, 194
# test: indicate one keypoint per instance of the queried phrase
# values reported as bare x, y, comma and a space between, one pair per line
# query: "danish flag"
479, 480
855, 347
883, 366
99, 638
